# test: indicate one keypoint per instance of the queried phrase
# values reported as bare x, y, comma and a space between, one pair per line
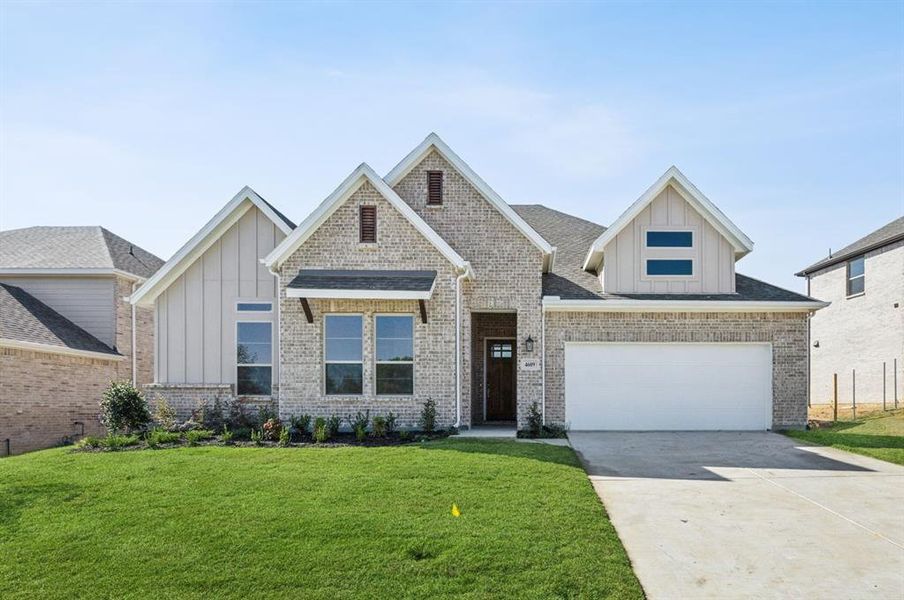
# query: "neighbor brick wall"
43, 395
787, 332
859, 333
123, 335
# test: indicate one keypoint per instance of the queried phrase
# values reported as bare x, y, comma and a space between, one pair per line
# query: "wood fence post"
835, 397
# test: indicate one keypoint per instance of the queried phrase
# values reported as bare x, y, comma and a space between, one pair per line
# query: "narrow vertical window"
434, 187
395, 355
367, 218
254, 358
856, 276
343, 352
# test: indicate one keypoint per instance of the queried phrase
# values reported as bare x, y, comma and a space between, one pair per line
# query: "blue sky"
147, 119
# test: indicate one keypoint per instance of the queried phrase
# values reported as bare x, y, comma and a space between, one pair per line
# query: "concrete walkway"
750, 515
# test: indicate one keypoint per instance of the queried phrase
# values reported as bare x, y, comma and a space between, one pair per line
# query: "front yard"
313, 522
879, 435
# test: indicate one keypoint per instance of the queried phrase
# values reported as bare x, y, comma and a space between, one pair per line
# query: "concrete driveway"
750, 515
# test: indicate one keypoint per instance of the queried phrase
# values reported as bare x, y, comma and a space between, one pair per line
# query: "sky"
147, 118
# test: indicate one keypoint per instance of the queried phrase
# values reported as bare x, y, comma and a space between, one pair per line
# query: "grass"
346, 522
880, 436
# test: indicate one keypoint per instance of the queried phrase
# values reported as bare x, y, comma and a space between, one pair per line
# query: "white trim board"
71, 272
688, 191
556, 304
340, 195
202, 241
432, 142
64, 350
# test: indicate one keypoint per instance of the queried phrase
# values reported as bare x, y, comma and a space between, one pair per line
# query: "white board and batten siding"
89, 302
668, 386
196, 315
623, 269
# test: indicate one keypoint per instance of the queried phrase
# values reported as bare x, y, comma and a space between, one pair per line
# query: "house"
67, 329
860, 336
425, 284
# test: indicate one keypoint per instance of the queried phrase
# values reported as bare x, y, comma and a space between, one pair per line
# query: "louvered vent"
434, 187
368, 220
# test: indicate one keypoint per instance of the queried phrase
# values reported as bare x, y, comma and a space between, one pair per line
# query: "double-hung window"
856, 276
394, 354
343, 354
254, 358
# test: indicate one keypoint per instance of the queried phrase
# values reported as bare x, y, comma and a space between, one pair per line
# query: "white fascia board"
357, 294
709, 211
63, 350
433, 141
336, 199
201, 241
556, 304
72, 272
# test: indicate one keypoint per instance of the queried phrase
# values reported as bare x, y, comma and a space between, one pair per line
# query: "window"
434, 187
670, 239
856, 276
670, 267
395, 354
501, 350
254, 306
343, 367
368, 224
254, 357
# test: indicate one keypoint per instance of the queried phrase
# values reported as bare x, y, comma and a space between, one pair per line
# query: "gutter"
63, 350
556, 304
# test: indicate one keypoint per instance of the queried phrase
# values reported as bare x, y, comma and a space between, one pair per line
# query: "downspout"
278, 315
458, 347
134, 342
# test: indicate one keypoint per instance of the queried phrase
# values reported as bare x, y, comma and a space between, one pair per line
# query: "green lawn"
314, 522
880, 436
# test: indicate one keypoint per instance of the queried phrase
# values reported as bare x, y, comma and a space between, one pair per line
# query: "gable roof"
205, 238
339, 196
28, 323
885, 235
434, 142
83, 249
674, 177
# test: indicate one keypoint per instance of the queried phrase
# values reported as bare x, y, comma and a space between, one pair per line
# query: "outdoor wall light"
529, 344
816, 344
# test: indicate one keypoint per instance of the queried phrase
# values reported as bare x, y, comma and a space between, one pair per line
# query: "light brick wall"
42, 396
399, 246
859, 333
184, 398
787, 332
123, 335
508, 267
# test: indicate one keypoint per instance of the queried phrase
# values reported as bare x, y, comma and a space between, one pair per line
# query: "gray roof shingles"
573, 236
73, 248
24, 318
887, 234
369, 280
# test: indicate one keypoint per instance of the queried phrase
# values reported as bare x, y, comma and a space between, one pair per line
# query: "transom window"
254, 306
670, 239
667, 266
501, 350
254, 358
394, 354
343, 350
856, 276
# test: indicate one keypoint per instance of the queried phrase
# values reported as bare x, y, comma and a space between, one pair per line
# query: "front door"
500, 380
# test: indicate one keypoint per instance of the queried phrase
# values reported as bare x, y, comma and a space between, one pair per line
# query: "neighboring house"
68, 329
860, 336
425, 284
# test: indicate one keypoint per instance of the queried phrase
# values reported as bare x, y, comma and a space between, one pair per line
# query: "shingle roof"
370, 280
276, 211
73, 248
887, 234
572, 236
24, 318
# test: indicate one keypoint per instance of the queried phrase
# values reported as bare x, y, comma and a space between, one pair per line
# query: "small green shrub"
332, 426
264, 414
197, 435
272, 429
379, 426
158, 436
241, 433
390, 423
123, 407
428, 416
115, 442
359, 424
534, 420
90, 441
226, 436
257, 436
164, 414
321, 431
301, 424
285, 437
214, 417
404, 435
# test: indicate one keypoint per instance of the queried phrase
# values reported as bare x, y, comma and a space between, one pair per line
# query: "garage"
679, 387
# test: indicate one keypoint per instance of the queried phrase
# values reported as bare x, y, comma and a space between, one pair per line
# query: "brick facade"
144, 339
787, 332
49, 398
185, 398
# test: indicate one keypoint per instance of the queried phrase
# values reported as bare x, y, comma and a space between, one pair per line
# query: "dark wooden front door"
500, 380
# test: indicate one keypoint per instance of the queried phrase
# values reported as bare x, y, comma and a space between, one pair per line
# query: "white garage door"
637, 387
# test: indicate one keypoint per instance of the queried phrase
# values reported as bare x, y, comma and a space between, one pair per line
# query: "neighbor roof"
885, 235
76, 248
24, 318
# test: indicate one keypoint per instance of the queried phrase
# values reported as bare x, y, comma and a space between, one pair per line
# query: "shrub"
164, 414
321, 431
264, 414
123, 407
390, 423
196, 435
379, 426
241, 433
272, 429
158, 436
404, 435
226, 436
359, 424
428, 416
534, 420
257, 437
285, 437
115, 441
214, 417
332, 426
238, 418
90, 441
300, 424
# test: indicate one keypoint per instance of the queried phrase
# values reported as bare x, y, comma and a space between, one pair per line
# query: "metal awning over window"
362, 284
